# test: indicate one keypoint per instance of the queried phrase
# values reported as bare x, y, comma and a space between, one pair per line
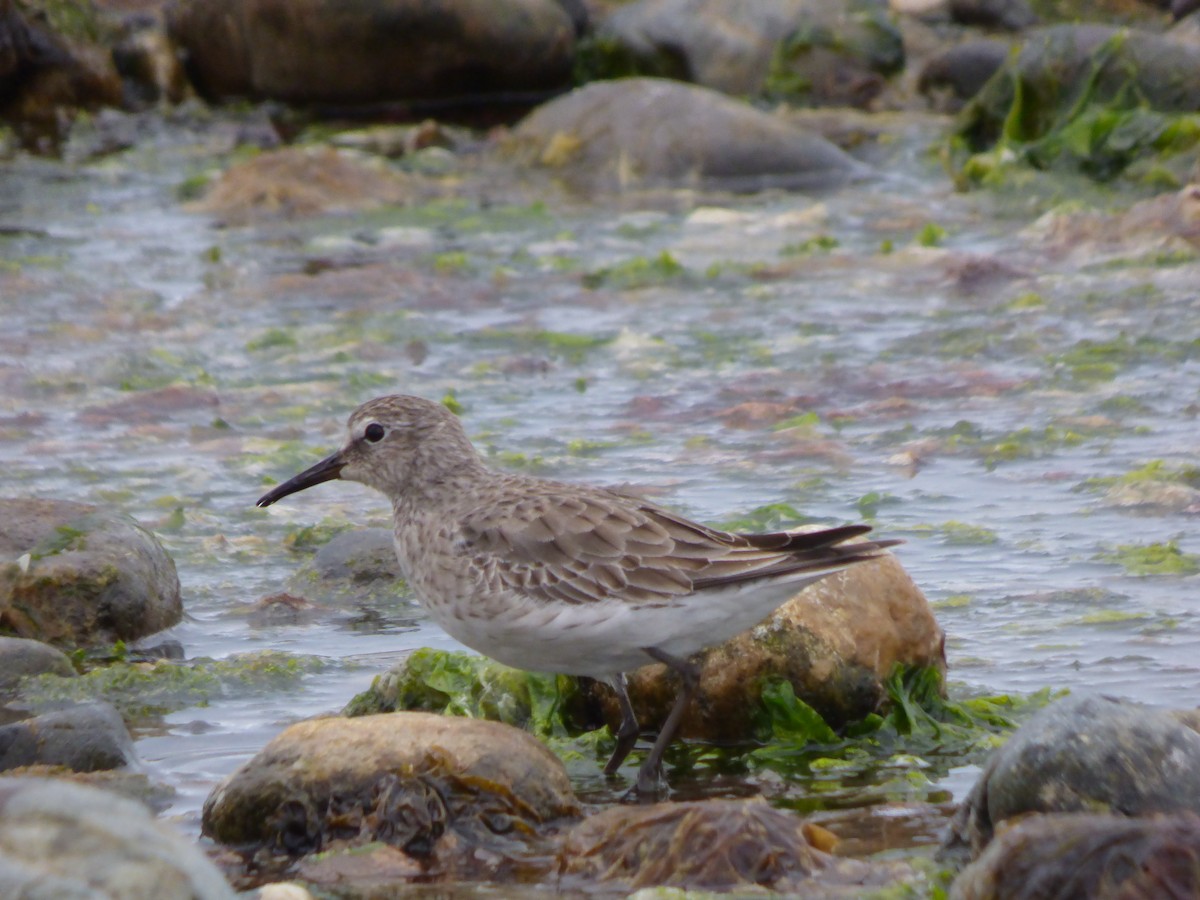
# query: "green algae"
147, 690
1089, 361
821, 243
307, 538
1156, 470
931, 235
1152, 559
769, 517
638, 272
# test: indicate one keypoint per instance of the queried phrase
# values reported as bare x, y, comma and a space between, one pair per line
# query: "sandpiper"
556, 577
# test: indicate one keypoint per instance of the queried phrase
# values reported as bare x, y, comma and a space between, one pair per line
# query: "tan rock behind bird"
555, 577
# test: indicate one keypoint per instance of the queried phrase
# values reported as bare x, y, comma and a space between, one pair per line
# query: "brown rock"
715, 845
836, 641
328, 51
1086, 855
436, 787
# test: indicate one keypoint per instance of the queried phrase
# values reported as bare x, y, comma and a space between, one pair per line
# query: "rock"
20, 657
354, 568
818, 53
297, 181
385, 51
87, 738
447, 792
1084, 855
1009, 15
963, 70
836, 641
647, 132
43, 70
70, 841
76, 575
710, 845
1067, 74
1083, 754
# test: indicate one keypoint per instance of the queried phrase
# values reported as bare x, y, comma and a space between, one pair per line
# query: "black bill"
326, 470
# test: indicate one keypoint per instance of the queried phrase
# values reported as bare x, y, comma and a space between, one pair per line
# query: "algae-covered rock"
819, 53
65, 840
438, 788
1091, 97
836, 642
1083, 754
1085, 855
711, 845
74, 574
649, 132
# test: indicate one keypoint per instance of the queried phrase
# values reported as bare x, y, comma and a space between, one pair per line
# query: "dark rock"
711, 845
964, 69
43, 72
386, 51
447, 792
808, 51
645, 132
1083, 754
68, 840
1083, 855
76, 575
86, 738
20, 657
1009, 15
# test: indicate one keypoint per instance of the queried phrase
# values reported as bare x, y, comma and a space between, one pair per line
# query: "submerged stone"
86, 738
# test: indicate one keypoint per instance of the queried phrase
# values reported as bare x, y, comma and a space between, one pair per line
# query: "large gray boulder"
650, 132
66, 841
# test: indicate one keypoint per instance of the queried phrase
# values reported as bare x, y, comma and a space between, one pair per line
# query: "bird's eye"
374, 433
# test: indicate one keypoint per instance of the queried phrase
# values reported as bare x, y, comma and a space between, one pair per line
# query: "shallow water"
915, 385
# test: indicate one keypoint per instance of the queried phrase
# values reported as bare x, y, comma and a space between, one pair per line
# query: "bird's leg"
650, 774
627, 734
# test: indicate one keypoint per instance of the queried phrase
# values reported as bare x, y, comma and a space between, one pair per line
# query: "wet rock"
962, 70
711, 845
326, 51
297, 181
1083, 754
86, 738
1009, 15
44, 70
76, 575
836, 641
818, 53
640, 132
450, 793
1066, 76
1085, 855
20, 657
354, 567
71, 841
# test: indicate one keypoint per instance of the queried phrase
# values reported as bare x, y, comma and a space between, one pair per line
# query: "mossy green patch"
65, 538
1156, 470
567, 345
954, 532
1152, 559
1091, 361
638, 272
148, 690
821, 243
459, 684
770, 517
306, 538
